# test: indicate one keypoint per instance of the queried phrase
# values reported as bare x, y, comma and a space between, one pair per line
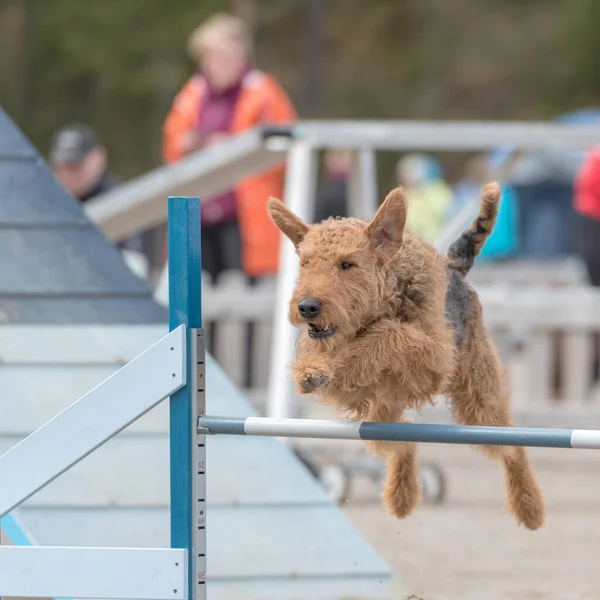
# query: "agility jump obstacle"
175, 367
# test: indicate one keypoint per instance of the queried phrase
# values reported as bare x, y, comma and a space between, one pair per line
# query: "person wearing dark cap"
80, 162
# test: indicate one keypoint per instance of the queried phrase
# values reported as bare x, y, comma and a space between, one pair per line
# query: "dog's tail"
463, 251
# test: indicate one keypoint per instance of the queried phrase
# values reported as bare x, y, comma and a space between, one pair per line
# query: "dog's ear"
387, 226
286, 220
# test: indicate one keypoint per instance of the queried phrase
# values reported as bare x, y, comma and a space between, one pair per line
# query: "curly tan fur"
398, 325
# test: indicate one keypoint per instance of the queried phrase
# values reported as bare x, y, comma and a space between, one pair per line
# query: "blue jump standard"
185, 308
402, 432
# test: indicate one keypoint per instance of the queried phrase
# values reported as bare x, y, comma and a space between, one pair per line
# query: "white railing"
140, 204
364, 138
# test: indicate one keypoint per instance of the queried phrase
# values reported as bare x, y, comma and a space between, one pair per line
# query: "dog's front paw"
312, 380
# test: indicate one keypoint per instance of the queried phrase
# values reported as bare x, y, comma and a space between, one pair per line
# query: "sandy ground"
469, 548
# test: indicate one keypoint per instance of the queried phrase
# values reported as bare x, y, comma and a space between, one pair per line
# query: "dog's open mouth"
316, 332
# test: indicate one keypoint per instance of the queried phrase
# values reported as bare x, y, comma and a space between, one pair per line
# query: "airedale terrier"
387, 324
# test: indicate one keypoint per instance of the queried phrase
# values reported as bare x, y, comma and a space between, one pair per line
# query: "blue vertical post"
185, 308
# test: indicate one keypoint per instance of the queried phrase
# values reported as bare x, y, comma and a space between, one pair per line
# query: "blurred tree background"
117, 64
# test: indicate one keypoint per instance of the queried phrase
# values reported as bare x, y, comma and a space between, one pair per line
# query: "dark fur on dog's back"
464, 250
457, 305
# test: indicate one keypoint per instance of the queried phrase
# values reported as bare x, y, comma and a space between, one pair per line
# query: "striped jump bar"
401, 432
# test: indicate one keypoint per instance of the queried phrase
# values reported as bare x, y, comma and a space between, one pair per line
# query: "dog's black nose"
309, 308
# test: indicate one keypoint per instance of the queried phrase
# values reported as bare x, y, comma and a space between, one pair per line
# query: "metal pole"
185, 309
403, 432
362, 191
197, 562
299, 196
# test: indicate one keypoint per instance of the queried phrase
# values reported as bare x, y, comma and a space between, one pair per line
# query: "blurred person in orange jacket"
225, 97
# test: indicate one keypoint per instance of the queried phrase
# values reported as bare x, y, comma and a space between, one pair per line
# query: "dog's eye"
345, 266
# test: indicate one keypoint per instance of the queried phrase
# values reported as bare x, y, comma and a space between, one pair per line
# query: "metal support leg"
198, 558
299, 197
362, 191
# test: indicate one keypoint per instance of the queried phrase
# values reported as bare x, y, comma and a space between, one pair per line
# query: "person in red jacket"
228, 95
587, 205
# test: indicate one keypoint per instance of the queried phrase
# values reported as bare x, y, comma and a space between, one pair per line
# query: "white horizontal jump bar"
306, 428
585, 438
103, 573
402, 432
96, 417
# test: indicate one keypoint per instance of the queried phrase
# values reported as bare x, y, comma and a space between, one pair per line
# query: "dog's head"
344, 277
